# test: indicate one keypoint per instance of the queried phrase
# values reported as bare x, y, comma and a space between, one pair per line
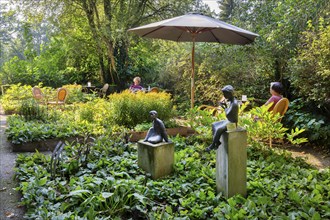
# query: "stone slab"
231, 163
156, 159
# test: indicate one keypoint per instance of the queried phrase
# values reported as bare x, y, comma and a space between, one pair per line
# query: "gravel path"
9, 198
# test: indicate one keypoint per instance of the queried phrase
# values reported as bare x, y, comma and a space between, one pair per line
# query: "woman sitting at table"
136, 85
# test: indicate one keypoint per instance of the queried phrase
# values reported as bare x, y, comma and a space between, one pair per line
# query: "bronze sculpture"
157, 132
218, 128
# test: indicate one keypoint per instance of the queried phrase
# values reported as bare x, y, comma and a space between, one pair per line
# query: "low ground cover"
106, 183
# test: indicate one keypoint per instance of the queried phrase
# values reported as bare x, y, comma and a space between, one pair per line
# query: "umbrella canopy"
195, 27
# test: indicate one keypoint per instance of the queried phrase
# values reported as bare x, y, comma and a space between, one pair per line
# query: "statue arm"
232, 112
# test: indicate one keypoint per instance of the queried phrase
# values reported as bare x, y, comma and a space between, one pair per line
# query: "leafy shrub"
13, 97
31, 110
309, 70
264, 125
317, 126
93, 117
143, 126
75, 93
129, 109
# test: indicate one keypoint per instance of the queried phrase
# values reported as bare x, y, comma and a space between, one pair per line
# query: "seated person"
136, 85
276, 90
219, 127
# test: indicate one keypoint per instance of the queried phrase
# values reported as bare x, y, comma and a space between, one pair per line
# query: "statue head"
228, 91
153, 114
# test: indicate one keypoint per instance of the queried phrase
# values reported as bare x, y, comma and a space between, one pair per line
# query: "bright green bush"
15, 94
129, 109
75, 93
263, 125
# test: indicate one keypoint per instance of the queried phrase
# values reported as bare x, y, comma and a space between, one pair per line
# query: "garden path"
9, 198
316, 156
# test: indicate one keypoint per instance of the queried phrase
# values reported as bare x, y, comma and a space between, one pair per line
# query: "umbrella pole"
193, 72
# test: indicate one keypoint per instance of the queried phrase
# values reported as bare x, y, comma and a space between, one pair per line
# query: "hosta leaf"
79, 192
106, 194
42, 181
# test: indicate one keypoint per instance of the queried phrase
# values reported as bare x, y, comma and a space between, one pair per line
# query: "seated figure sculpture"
157, 132
218, 128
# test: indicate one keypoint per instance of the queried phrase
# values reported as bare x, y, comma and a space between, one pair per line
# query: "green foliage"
22, 131
14, 96
111, 185
143, 126
316, 126
75, 93
262, 125
310, 70
129, 109
31, 110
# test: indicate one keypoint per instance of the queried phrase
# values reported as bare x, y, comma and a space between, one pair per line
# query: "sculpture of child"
218, 128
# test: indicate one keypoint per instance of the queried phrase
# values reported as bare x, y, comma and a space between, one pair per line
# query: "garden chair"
213, 109
37, 94
281, 107
103, 91
154, 89
62, 94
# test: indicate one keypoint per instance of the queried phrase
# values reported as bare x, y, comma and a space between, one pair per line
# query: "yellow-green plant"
13, 97
129, 109
262, 125
75, 93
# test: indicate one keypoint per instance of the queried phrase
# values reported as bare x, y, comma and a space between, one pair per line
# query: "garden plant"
61, 43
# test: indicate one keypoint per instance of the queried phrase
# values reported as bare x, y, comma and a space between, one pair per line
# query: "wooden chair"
213, 109
62, 94
281, 107
154, 89
103, 91
37, 94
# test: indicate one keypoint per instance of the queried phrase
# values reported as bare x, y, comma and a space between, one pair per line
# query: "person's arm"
271, 99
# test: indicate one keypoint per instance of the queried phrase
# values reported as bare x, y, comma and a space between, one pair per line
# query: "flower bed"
106, 183
45, 145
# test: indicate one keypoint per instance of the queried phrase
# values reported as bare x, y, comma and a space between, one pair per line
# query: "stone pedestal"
231, 163
156, 159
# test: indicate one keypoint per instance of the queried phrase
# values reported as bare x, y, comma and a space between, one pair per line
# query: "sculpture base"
156, 159
231, 163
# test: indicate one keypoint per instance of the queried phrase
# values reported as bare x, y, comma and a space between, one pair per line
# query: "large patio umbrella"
195, 27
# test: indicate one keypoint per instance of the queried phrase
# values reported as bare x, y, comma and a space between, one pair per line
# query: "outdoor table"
88, 89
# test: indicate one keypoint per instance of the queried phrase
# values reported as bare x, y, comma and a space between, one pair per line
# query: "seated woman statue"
218, 128
157, 132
